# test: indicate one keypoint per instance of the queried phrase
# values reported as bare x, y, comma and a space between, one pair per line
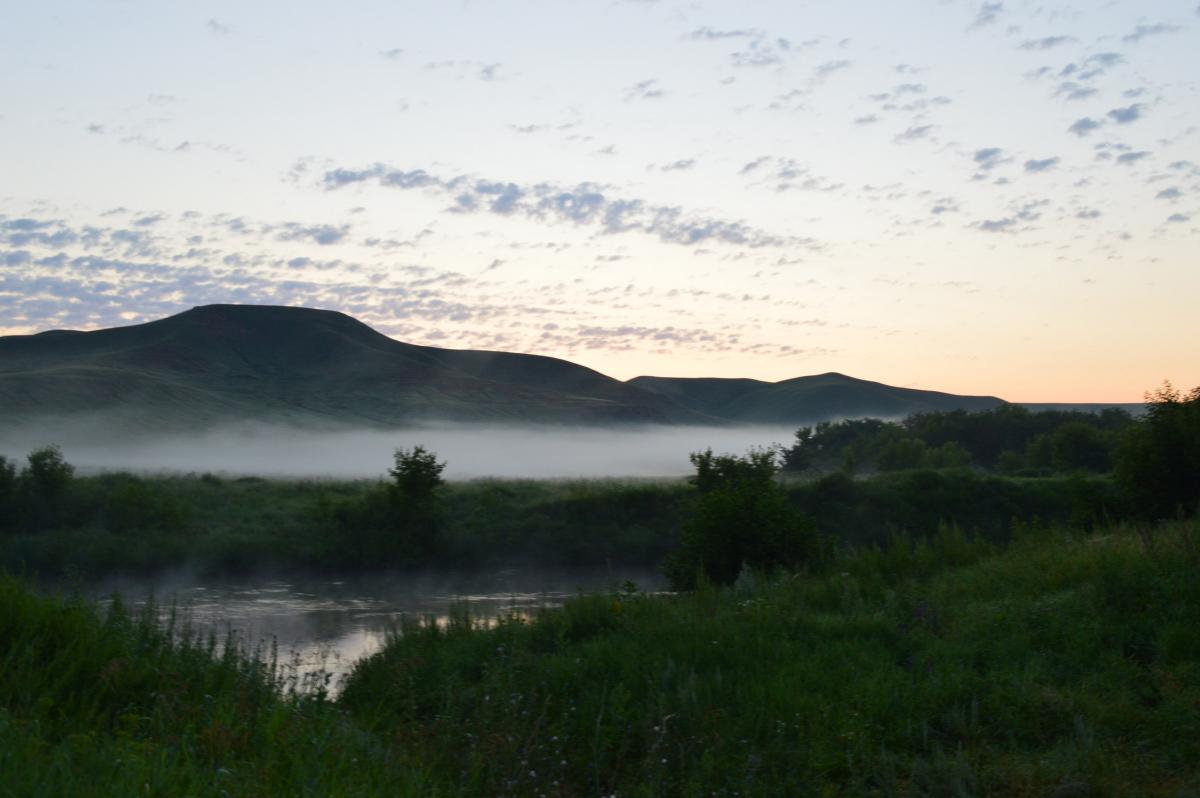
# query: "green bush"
1158, 460
742, 518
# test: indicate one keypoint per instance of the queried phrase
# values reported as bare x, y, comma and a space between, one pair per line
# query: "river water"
319, 627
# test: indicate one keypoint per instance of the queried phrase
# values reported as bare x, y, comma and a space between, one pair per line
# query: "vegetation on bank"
945, 666
736, 511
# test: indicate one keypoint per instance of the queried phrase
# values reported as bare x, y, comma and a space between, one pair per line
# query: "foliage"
1051, 440
742, 518
8, 494
1158, 461
930, 667
938, 667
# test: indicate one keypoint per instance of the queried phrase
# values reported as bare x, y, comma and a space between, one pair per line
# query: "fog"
470, 451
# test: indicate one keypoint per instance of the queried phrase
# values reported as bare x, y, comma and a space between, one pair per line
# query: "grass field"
1060, 661
122, 523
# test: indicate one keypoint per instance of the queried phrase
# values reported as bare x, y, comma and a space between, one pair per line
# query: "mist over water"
470, 451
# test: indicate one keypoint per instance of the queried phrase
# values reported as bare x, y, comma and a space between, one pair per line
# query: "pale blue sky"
996, 197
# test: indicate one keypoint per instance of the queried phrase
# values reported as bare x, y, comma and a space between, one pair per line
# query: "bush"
8, 493
1158, 460
742, 518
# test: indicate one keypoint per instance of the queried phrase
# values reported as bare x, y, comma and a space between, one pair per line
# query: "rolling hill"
300, 366
805, 399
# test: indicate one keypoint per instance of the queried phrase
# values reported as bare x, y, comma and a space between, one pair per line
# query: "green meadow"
1060, 663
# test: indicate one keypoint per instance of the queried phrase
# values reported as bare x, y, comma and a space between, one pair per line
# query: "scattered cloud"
828, 68
997, 225
323, 234
1178, 218
987, 14
1169, 193
645, 90
1132, 157
585, 204
1084, 126
914, 133
1046, 43
218, 28
1123, 116
681, 165
1041, 165
1142, 31
392, 54
989, 158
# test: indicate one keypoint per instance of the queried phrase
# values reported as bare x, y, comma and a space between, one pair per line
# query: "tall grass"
942, 666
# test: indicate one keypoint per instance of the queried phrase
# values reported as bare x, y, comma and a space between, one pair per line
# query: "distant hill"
805, 399
297, 365
289, 365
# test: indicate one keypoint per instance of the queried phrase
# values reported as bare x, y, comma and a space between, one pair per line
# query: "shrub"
742, 518
1158, 460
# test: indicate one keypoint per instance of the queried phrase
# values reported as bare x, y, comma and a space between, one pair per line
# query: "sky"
979, 197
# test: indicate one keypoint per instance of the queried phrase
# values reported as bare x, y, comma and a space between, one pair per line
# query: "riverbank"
950, 666
124, 524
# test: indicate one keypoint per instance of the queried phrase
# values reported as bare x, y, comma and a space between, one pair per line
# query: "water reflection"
328, 624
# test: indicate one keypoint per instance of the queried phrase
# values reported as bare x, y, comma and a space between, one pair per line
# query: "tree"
1158, 458
416, 477
44, 483
742, 518
8, 493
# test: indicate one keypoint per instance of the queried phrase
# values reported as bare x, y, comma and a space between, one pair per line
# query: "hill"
297, 365
805, 399
300, 366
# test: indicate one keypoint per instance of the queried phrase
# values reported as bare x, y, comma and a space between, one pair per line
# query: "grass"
121, 523
946, 666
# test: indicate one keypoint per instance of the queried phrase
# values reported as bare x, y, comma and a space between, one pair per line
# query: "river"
319, 627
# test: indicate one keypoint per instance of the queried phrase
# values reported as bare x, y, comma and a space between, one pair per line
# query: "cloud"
585, 205
987, 14
1169, 193
1071, 90
761, 48
393, 53
1132, 157
681, 165
869, 119
989, 158
1124, 116
1084, 126
997, 225
829, 67
914, 133
1088, 213
218, 28
323, 234
1178, 218
1142, 31
1046, 43
645, 90
1042, 165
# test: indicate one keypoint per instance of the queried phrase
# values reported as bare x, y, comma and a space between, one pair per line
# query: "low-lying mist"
470, 451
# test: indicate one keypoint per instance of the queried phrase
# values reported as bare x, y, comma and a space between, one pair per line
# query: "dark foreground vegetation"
1059, 664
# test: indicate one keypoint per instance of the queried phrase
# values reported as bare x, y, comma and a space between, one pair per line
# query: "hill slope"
232, 362
805, 399
221, 363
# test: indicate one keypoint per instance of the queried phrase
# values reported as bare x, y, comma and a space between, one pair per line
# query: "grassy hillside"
806, 399
281, 364
1059, 665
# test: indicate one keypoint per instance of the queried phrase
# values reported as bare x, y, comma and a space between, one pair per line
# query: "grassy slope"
939, 669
